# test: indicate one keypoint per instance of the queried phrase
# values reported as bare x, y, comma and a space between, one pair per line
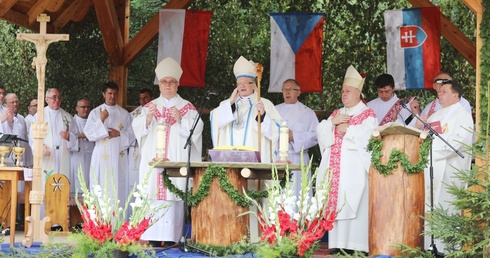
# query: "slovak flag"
296, 50
413, 46
183, 35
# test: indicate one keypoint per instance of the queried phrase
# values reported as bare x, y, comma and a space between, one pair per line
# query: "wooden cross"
42, 41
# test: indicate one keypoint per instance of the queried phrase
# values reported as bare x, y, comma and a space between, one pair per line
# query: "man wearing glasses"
179, 116
15, 124
433, 106
302, 123
61, 137
454, 124
235, 123
82, 155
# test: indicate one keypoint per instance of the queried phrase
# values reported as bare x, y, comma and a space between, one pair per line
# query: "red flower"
128, 234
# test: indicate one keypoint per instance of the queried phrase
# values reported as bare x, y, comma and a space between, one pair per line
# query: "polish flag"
413, 46
296, 50
183, 35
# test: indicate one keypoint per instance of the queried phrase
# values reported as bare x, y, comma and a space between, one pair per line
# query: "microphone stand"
432, 133
182, 244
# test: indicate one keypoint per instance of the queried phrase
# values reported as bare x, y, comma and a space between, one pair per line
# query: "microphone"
404, 102
212, 92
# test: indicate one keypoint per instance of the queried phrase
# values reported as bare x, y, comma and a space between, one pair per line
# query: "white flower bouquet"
105, 226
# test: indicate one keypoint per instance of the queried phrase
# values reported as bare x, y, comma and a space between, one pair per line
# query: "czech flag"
296, 50
413, 46
183, 35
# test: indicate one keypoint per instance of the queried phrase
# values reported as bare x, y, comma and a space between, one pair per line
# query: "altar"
216, 220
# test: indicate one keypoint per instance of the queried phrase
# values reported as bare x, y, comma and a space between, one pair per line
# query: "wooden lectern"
396, 201
215, 220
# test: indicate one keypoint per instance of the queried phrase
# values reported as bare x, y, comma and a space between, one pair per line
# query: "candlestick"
161, 140
283, 142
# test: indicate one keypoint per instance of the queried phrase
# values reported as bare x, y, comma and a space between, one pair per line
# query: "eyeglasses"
83, 107
33, 105
287, 90
168, 82
55, 98
244, 83
442, 81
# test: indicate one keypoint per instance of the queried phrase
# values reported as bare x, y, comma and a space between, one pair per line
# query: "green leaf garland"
214, 170
396, 156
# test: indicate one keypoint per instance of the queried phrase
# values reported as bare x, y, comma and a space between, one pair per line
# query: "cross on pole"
39, 132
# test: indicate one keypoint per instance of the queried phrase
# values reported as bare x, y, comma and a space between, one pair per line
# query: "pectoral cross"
42, 41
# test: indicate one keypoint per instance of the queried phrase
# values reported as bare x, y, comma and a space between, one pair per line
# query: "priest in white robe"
434, 105
15, 124
109, 126
60, 139
179, 115
387, 106
343, 140
81, 156
302, 122
145, 96
455, 125
3, 114
31, 111
235, 123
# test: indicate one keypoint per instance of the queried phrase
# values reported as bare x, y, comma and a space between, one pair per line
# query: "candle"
161, 140
283, 141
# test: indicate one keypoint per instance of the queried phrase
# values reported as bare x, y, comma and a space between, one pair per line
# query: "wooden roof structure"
113, 18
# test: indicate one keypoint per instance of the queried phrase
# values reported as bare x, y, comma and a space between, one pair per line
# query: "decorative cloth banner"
296, 50
183, 35
413, 46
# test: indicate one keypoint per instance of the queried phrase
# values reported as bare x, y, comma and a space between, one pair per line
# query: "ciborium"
17, 150
3, 150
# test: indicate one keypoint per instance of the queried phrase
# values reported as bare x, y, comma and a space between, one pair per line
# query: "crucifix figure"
36, 196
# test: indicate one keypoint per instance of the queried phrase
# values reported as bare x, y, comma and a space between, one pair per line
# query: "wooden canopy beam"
474, 5
110, 29
477, 8
143, 38
119, 72
6, 5
21, 20
38, 8
75, 12
55, 5
452, 34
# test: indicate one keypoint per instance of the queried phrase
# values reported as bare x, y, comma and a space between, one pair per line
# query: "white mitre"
353, 79
244, 68
168, 67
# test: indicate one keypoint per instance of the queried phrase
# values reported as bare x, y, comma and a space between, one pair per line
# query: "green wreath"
396, 156
214, 170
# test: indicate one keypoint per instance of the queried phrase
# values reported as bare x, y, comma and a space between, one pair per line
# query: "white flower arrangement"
290, 224
104, 221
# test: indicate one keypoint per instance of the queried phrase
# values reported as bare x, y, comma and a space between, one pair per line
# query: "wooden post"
42, 41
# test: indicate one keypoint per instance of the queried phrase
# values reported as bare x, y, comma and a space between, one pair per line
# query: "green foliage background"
353, 34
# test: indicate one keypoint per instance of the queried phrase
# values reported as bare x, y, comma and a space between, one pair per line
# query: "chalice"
3, 150
17, 150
